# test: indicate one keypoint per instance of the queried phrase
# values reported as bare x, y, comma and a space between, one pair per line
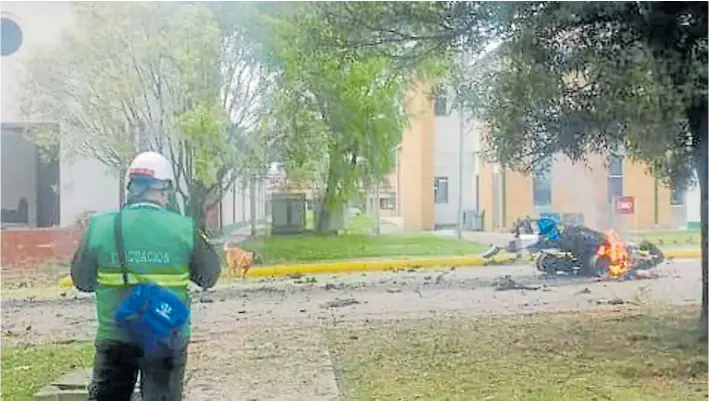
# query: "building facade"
429, 176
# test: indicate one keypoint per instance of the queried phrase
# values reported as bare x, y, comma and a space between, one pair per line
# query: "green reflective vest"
158, 246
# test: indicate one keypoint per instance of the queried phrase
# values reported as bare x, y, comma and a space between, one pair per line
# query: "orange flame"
617, 252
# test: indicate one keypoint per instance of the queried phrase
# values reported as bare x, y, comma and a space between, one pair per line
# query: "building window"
440, 190
387, 203
440, 104
615, 177
677, 197
541, 184
11, 38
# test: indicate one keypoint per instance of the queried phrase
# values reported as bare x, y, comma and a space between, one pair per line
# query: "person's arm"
84, 267
206, 264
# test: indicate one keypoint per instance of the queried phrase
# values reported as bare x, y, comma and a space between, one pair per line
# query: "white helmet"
151, 169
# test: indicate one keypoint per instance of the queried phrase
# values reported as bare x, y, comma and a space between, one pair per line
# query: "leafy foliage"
339, 115
573, 78
172, 78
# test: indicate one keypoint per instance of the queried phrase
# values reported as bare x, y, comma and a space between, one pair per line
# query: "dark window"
11, 37
541, 184
387, 203
440, 190
440, 104
677, 197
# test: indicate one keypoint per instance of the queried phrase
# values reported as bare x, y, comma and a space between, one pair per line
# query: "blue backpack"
154, 317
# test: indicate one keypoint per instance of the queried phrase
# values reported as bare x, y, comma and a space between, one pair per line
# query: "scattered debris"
441, 277
506, 283
306, 280
330, 286
393, 290
584, 291
204, 299
612, 301
340, 303
295, 276
492, 251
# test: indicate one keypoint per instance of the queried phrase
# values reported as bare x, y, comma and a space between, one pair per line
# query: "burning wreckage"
578, 250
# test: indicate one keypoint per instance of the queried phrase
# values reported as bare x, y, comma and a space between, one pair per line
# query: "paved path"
265, 340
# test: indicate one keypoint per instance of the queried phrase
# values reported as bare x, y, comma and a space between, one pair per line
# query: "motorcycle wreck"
571, 249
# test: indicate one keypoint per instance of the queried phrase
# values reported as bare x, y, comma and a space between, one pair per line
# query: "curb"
384, 265
360, 266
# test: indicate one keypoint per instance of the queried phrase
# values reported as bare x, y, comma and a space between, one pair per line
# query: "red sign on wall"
625, 205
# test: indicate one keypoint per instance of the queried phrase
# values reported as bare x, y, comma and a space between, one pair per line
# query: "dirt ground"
264, 340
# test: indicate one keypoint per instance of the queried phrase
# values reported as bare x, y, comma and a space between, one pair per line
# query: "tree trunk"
698, 124
324, 214
252, 206
377, 206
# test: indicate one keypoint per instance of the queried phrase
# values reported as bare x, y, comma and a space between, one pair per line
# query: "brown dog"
239, 261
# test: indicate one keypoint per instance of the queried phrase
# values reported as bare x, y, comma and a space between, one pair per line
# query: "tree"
576, 78
335, 111
151, 76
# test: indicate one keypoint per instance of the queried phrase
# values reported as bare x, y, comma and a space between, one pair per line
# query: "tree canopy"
125, 78
574, 78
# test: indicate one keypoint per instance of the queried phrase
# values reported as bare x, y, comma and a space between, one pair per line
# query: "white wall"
86, 185
236, 205
447, 139
693, 204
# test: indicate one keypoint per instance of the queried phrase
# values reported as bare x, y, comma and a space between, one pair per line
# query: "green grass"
313, 248
356, 242
362, 224
27, 369
679, 238
570, 357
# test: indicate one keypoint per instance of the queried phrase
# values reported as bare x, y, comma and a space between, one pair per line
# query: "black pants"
116, 367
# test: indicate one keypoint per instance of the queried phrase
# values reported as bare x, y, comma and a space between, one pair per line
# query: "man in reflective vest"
160, 246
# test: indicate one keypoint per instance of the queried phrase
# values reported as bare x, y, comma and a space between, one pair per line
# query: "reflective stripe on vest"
165, 280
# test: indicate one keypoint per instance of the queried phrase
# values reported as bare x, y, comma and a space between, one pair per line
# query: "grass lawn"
27, 369
356, 243
684, 238
313, 248
571, 357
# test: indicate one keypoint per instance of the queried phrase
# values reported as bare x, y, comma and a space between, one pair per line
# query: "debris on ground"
584, 291
305, 280
340, 303
612, 301
393, 290
506, 283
